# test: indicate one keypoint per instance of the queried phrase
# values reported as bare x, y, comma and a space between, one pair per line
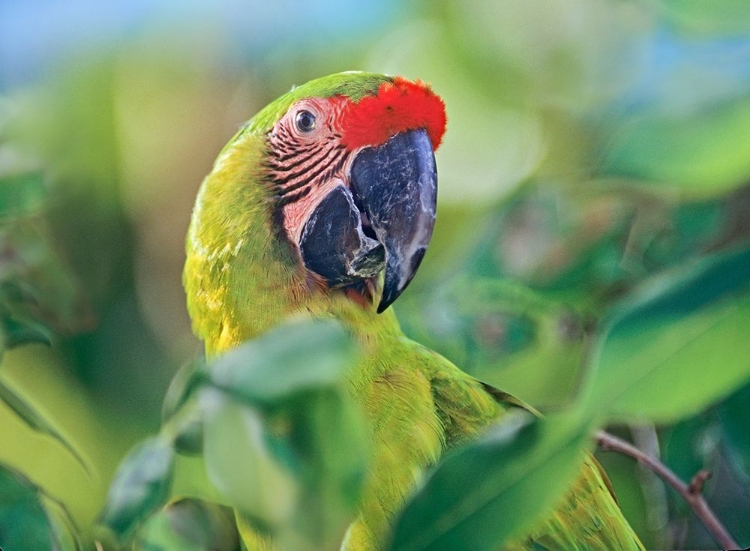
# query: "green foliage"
719, 16
21, 193
505, 334
650, 364
31, 520
703, 154
283, 443
294, 358
262, 415
189, 525
38, 294
669, 333
734, 416
495, 488
26, 412
140, 486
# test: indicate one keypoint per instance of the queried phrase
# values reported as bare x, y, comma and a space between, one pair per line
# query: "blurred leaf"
189, 525
24, 521
734, 414
687, 447
36, 421
295, 470
16, 333
504, 334
140, 486
184, 424
21, 193
295, 357
673, 350
182, 385
717, 16
189, 438
587, 245
241, 466
66, 533
492, 489
703, 153
38, 292
329, 438
283, 441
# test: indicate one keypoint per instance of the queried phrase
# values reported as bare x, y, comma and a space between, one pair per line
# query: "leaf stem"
691, 493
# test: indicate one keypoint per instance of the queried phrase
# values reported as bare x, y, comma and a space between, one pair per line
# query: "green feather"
242, 278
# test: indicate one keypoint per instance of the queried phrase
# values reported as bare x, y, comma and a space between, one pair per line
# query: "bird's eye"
305, 121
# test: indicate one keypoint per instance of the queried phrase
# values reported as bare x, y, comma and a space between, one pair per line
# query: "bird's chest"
407, 436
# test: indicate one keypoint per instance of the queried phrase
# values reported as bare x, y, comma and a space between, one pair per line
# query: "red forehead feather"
397, 107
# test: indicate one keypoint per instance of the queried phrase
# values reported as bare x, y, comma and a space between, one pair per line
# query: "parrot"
323, 204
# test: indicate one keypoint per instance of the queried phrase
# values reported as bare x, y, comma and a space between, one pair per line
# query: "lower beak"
386, 216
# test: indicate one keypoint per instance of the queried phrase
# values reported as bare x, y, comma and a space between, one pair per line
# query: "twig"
691, 493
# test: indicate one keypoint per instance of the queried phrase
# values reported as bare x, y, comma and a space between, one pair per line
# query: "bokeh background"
591, 144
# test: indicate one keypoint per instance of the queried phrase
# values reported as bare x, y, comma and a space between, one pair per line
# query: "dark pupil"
305, 121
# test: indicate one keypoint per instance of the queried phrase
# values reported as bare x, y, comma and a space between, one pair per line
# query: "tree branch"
691, 493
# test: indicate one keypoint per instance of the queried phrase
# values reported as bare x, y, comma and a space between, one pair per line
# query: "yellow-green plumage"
243, 278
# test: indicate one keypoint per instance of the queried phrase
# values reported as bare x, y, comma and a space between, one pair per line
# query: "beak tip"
385, 303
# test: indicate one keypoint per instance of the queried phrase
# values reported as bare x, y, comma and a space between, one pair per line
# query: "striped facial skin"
307, 159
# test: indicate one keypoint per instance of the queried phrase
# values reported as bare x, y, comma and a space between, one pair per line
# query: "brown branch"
691, 493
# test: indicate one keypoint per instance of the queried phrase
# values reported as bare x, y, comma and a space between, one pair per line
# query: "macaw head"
349, 176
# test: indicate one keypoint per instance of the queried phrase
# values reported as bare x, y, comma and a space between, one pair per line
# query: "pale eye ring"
305, 121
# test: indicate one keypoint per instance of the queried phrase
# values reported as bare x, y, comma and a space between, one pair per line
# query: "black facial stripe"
287, 199
296, 162
294, 171
292, 153
336, 168
326, 160
290, 188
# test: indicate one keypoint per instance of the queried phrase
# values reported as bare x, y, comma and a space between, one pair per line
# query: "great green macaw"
325, 188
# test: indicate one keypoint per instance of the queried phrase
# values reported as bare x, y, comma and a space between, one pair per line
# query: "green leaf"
181, 387
23, 520
283, 442
295, 469
180, 417
734, 414
36, 421
241, 466
295, 357
38, 293
16, 333
498, 487
688, 447
21, 193
328, 440
189, 438
66, 536
703, 153
189, 525
140, 486
676, 346
717, 16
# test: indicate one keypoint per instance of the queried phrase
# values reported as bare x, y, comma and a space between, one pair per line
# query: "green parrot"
325, 189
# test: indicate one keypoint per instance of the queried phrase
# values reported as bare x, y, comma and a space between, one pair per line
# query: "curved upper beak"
396, 183
384, 218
